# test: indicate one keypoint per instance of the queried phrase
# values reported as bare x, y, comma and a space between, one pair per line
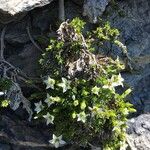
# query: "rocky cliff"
29, 24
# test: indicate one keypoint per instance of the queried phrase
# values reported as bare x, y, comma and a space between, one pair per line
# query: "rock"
79, 2
5, 147
45, 18
139, 132
94, 9
132, 18
18, 6
16, 134
10, 9
16, 33
19, 134
75, 10
29, 55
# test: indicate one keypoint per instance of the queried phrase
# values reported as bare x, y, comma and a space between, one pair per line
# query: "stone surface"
94, 9
18, 134
132, 18
9, 9
79, 2
134, 26
139, 133
18, 6
25, 60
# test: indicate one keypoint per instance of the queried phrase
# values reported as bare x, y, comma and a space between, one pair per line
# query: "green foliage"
82, 101
4, 103
106, 33
5, 84
78, 25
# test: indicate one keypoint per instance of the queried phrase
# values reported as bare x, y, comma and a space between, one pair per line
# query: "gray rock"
18, 134
5, 147
139, 133
94, 9
18, 6
133, 25
11, 8
132, 18
79, 2
29, 55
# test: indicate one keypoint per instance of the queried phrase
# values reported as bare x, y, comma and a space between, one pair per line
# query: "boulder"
10, 9
132, 18
16, 134
139, 133
94, 9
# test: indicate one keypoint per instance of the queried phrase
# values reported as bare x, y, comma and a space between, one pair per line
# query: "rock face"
10, 8
94, 9
134, 25
18, 6
17, 134
132, 18
139, 132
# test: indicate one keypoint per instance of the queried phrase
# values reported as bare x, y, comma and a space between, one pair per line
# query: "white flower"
95, 110
73, 97
109, 86
82, 117
49, 83
119, 64
95, 90
57, 141
38, 106
117, 80
49, 118
2, 93
65, 84
48, 100
51, 100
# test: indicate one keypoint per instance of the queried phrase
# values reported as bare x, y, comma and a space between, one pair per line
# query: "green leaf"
126, 93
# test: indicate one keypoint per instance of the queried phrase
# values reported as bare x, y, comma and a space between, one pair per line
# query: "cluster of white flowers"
65, 84
50, 84
38, 108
